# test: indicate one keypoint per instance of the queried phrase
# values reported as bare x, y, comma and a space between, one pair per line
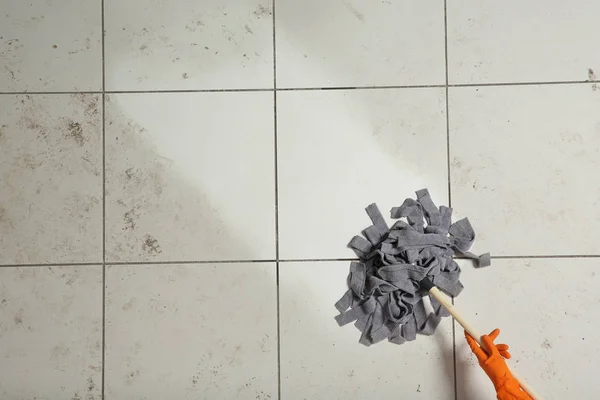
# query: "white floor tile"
515, 41
189, 44
190, 177
359, 43
524, 166
547, 312
321, 360
50, 45
51, 332
339, 151
50, 179
190, 332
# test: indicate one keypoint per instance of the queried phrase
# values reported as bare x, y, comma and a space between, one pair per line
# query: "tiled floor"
176, 194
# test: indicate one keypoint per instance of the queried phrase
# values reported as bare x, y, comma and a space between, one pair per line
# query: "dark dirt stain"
419, 389
262, 395
591, 75
130, 377
151, 245
262, 11
547, 345
19, 317
54, 46
90, 104
91, 384
130, 218
75, 132
29, 123
195, 379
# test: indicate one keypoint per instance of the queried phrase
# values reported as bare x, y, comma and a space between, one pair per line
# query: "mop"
400, 266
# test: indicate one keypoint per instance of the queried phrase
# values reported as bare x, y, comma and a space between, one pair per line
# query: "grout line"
187, 262
452, 85
447, 107
50, 265
103, 379
283, 260
449, 176
276, 164
520, 83
186, 91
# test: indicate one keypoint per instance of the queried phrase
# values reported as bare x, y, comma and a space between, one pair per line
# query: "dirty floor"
179, 179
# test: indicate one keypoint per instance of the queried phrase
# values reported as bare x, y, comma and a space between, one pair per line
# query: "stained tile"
51, 332
50, 45
50, 179
191, 331
186, 44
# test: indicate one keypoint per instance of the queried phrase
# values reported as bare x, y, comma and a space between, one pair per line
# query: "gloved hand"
493, 364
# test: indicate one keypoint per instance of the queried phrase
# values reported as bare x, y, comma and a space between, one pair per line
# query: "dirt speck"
195, 379
261, 11
151, 246
351, 374
185, 75
75, 132
591, 75
89, 102
546, 344
91, 384
260, 395
419, 389
29, 123
19, 317
250, 31
54, 46
130, 218
131, 376
76, 396
129, 305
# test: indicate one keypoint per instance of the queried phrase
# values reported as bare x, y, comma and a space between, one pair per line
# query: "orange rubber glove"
507, 387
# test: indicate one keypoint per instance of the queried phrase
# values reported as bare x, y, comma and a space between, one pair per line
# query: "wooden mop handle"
445, 302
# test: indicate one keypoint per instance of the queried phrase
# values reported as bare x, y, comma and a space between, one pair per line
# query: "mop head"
385, 295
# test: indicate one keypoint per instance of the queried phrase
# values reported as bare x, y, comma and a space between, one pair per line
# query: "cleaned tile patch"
512, 41
50, 179
359, 43
51, 332
547, 315
524, 162
315, 349
186, 332
339, 151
